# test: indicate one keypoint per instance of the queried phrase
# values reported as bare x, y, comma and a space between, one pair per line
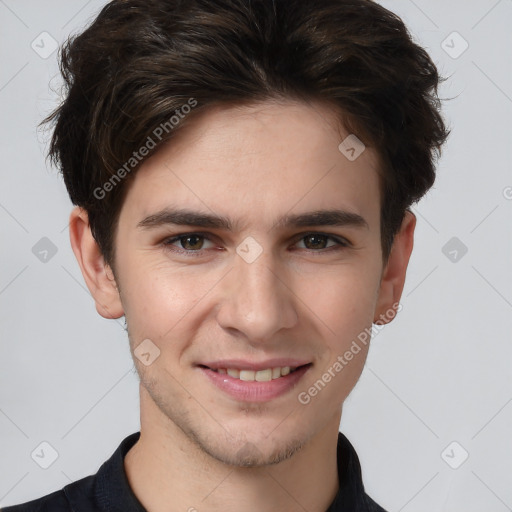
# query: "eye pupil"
197, 239
317, 240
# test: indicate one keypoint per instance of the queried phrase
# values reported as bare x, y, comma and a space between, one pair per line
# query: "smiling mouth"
266, 375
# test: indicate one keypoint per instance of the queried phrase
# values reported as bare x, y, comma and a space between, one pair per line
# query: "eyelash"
167, 243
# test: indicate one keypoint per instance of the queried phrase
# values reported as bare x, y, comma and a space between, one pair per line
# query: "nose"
257, 301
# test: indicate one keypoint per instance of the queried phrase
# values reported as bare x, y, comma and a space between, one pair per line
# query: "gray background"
440, 373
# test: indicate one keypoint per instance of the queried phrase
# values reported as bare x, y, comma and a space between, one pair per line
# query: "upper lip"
243, 364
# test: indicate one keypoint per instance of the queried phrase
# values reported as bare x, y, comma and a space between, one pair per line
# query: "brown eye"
318, 241
315, 241
188, 243
192, 242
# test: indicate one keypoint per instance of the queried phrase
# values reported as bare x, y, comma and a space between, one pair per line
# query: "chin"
253, 454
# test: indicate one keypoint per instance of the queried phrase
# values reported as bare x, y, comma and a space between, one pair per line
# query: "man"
242, 172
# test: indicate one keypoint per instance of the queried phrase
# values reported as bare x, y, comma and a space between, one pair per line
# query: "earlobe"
393, 277
98, 276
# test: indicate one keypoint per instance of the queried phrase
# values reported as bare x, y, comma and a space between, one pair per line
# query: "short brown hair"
140, 61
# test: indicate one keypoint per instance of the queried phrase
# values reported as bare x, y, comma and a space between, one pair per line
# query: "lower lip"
253, 391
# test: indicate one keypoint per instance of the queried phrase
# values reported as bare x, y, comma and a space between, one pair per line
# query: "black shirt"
109, 491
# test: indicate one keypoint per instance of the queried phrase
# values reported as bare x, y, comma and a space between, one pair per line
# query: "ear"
393, 276
97, 274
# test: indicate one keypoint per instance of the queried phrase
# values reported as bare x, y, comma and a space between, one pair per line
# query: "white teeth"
259, 376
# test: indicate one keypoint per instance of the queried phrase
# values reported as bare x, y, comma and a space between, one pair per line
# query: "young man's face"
263, 293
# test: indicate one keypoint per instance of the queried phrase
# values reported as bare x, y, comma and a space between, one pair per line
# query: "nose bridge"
259, 304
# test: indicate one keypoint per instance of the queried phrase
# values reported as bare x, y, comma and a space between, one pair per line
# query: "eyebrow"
185, 217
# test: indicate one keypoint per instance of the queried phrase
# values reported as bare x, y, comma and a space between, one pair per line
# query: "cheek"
343, 303
343, 297
159, 301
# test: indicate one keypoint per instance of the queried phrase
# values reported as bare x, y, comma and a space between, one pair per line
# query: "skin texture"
300, 298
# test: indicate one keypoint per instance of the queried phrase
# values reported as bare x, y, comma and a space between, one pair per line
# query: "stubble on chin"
231, 450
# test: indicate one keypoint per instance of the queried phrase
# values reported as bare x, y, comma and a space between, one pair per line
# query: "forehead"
266, 159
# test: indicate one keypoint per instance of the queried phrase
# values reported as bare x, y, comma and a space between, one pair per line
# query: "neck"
168, 472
